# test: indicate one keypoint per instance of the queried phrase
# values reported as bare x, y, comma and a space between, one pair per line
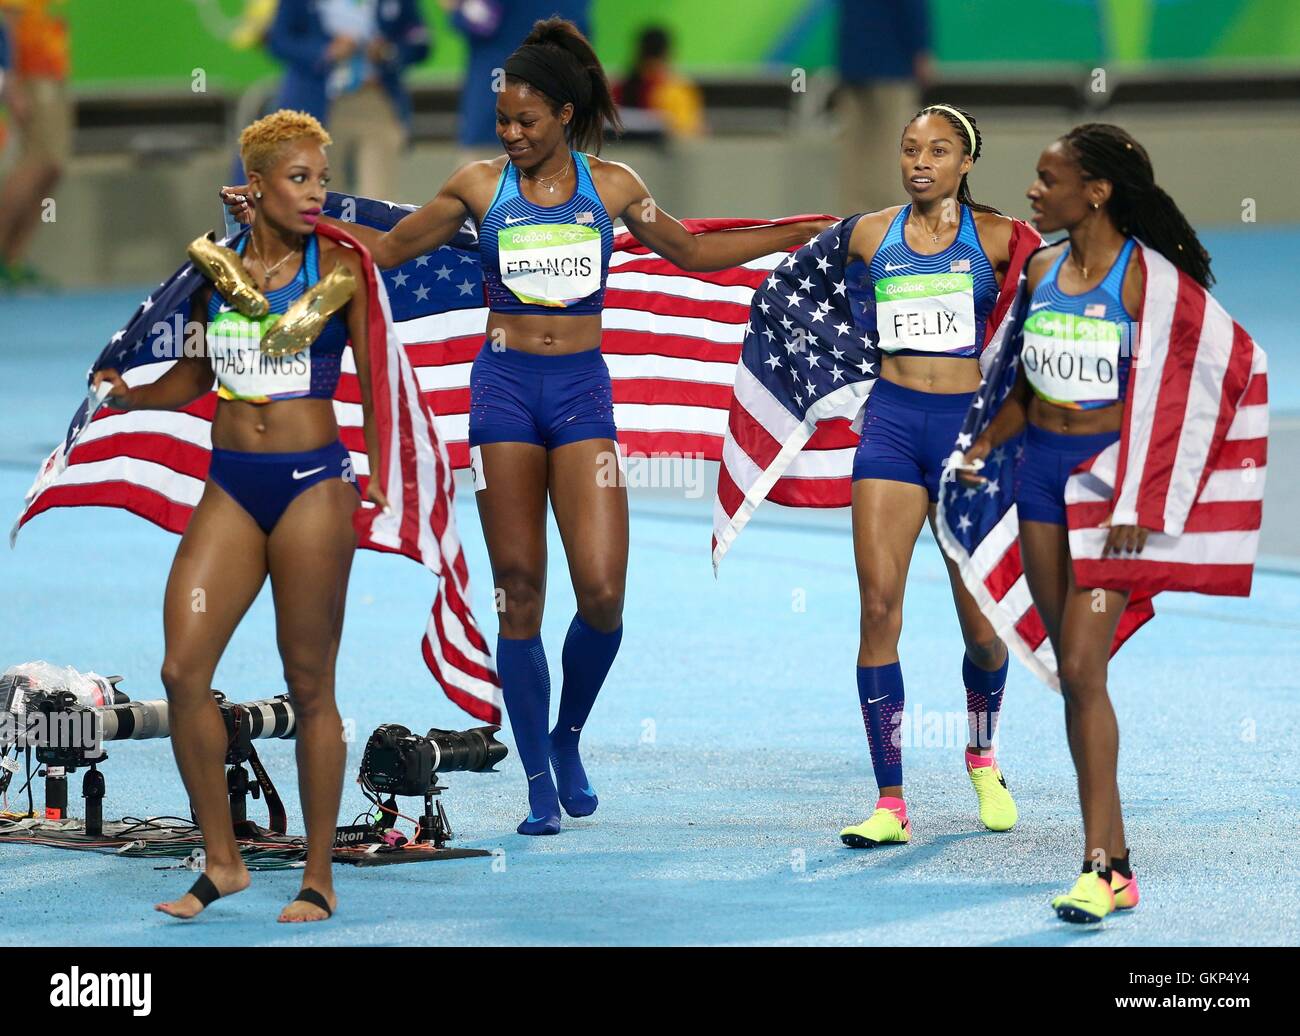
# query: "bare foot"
228, 879
299, 910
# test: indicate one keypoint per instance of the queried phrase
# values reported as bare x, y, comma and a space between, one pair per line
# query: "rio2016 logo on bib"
1072, 360
926, 312
554, 264
245, 372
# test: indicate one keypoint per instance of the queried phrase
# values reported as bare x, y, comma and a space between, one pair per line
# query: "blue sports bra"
1077, 351
546, 259
932, 305
244, 372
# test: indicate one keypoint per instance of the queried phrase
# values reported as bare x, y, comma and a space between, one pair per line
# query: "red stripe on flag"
812, 492
128, 496
1171, 401
1030, 629
184, 457
476, 707
1003, 575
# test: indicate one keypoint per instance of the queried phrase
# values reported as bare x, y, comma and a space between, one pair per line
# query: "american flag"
671, 340
1189, 466
808, 364
154, 463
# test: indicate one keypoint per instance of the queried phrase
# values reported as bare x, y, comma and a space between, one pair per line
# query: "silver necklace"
269, 271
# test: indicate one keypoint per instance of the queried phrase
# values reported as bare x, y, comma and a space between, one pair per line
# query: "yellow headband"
970, 130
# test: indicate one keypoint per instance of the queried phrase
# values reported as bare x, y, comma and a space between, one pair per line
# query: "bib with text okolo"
551, 264
1072, 359
243, 370
926, 312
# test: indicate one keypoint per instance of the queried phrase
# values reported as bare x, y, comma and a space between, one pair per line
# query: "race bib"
1070, 359
554, 264
245, 372
928, 312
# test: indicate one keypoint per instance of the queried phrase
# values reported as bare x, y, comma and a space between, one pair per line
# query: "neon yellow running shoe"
883, 827
997, 807
1125, 889
1088, 902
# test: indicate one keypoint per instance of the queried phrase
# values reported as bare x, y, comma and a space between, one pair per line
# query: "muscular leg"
512, 509
1081, 626
985, 651
887, 518
309, 555
219, 567
591, 511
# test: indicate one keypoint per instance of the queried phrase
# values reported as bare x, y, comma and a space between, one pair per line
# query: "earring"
1094, 205
258, 194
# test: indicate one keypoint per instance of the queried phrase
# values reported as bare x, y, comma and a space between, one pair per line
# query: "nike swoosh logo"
535, 776
575, 729
1035, 306
872, 701
303, 474
890, 267
534, 820
515, 219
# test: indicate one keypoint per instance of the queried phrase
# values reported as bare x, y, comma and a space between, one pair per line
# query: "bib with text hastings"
554, 264
245, 372
1070, 359
926, 312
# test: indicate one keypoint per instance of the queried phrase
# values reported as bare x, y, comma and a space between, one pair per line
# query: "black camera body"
397, 762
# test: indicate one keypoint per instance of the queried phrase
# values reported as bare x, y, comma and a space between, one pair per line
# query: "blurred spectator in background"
4, 70
495, 28
884, 60
654, 86
254, 22
344, 61
35, 92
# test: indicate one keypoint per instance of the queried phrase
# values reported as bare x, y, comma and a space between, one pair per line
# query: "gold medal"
303, 322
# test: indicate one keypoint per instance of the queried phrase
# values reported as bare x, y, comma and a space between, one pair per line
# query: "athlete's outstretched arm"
429, 227
715, 250
185, 381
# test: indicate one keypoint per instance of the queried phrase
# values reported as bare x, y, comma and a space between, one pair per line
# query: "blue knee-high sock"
880, 689
983, 699
588, 654
526, 688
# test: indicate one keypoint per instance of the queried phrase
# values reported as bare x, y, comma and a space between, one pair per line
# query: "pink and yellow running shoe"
1125, 889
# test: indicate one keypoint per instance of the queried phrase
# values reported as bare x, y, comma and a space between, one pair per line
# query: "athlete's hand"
980, 449
376, 495
119, 396
1125, 539
239, 201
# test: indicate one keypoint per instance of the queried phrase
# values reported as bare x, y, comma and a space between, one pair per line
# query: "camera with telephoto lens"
397, 762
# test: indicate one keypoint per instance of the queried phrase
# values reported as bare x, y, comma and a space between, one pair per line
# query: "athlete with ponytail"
541, 417
1085, 298
935, 267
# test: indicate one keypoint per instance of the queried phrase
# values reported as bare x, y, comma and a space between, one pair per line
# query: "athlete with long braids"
541, 413
1085, 297
935, 266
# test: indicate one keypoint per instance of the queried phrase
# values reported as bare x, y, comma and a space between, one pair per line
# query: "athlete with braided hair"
935, 267
1097, 184
541, 421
